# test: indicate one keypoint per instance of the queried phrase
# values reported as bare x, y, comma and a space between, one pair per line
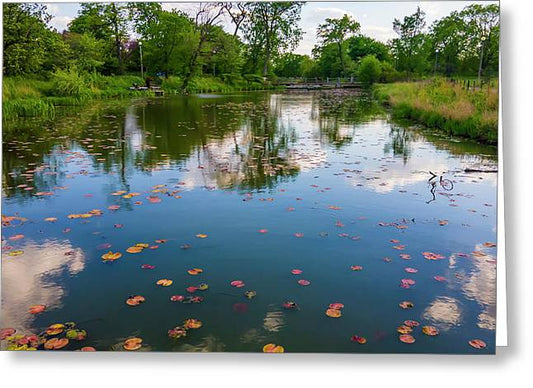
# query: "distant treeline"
110, 39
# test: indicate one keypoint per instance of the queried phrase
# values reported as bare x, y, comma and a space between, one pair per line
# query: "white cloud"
60, 23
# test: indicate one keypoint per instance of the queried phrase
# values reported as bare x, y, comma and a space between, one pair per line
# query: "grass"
27, 97
209, 84
441, 104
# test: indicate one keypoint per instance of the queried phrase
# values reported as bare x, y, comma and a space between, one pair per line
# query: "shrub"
70, 83
369, 70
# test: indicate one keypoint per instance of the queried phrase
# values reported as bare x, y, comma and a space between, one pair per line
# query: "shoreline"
440, 104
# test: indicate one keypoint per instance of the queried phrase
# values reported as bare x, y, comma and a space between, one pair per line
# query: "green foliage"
86, 51
360, 46
446, 106
270, 29
410, 48
369, 70
168, 42
27, 40
291, 65
69, 83
335, 32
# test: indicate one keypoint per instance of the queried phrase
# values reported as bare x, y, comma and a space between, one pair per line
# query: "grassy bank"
446, 106
27, 97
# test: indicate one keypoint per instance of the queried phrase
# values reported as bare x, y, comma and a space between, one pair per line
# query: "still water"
248, 187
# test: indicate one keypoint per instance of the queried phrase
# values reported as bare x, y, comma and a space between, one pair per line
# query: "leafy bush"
369, 70
70, 83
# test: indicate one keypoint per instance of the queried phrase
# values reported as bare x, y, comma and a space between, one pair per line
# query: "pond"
249, 188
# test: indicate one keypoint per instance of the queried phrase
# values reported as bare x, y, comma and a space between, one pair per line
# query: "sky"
375, 17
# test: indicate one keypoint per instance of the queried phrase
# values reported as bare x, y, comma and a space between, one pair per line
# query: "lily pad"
477, 343
333, 313
133, 344
56, 343
273, 348
430, 330
407, 338
192, 323
36, 309
111, 256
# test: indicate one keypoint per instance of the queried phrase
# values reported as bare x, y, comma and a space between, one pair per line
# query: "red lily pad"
36, 309
407, 338
358, 339
477, 343
6, 332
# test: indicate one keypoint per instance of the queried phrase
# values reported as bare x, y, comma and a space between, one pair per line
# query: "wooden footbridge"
318, 83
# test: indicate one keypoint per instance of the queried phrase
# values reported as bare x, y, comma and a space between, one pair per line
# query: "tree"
369, 70
87, 51
206, 17
409, 46
290, 65
105, 21
237, 13
223, 53
329, 63
360, 46
142, 15
449, 37
168, 42
25, 32
272, 28
483, 29
336, 31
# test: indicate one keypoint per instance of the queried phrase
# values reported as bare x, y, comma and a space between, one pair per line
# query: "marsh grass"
27, 97
441, 104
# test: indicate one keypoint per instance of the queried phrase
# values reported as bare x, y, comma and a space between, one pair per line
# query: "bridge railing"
314, 80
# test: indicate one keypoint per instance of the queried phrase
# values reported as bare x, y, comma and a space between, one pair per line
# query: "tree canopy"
108, 38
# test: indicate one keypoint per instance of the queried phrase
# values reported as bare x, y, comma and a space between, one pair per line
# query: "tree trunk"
341, 58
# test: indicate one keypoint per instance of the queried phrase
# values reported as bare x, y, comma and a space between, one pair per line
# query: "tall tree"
410, 42
168, 42
336, 31
237, 13
360, 46
272, 28
143, 14
483, 29
25, 29
449, 37
106, 21
206, 18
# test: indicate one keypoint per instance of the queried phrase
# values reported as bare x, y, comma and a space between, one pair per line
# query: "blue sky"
376, 17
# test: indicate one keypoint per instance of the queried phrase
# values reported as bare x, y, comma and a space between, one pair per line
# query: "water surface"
276, 182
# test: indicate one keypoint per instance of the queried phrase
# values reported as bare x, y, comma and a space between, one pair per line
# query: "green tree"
271, 28
336, 31
329, 63
87, 51
360, 46
206, 17
449, 37
25, 37
410, 46
105, 21
168, 42
369, 70
223, 54
484, 32
289, 65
